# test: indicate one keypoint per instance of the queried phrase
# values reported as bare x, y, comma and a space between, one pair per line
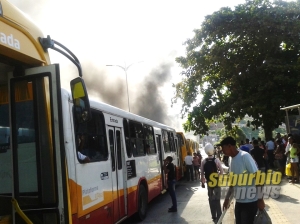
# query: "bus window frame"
141, 140
147, 128
96, 114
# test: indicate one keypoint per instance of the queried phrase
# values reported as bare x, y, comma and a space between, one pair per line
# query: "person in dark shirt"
169, 169
258, 155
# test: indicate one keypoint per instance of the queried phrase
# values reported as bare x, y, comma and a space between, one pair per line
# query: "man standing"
169, 169
189, 167
248, 144
242, 163
270, 145
208, 166
258, 155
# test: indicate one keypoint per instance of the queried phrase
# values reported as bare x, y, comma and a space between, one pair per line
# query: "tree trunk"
268, 133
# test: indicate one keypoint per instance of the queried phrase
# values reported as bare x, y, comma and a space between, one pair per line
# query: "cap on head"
227, 141
244, 148
209, 149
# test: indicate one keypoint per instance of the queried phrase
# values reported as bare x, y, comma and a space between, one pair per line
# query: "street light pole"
125, 69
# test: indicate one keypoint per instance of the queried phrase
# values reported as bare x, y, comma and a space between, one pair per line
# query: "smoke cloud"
150, 102
147, 97
110, 90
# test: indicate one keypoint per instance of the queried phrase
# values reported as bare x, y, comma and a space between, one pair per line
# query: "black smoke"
150, 102
109, 90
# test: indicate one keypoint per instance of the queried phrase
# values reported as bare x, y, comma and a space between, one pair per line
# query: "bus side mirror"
81, 101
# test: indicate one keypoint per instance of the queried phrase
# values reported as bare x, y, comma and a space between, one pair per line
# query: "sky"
147, 34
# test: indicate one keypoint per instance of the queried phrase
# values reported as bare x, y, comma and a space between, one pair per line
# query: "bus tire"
142, 203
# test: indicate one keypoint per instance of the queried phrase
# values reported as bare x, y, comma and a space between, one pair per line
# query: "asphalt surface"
193, 207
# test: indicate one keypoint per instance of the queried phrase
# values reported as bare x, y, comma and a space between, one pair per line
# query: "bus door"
119, 194
34, 161
161, 158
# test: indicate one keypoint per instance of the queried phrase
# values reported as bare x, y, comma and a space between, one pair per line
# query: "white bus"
125, 168
46, 131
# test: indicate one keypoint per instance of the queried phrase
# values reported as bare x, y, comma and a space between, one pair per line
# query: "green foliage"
235, 132
242, 61
250, 133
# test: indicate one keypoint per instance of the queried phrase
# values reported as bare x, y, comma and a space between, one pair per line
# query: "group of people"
241, 163
278, 152
245, 158
192, 165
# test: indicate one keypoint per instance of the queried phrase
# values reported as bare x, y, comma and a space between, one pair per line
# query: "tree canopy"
242, 61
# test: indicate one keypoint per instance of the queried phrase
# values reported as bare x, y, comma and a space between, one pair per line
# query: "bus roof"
19, 37
121, 113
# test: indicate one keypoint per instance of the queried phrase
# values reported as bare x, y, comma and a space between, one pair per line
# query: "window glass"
136, 138
91, 138
112, 149
149, 140
166, 141
127, 138
171, 141
119, 153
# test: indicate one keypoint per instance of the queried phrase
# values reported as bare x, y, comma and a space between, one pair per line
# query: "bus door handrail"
20, 212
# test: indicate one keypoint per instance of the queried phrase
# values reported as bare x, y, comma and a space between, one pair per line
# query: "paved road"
193, 207
286, 208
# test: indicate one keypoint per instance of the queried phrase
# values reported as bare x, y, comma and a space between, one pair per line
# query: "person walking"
169, 169
208, 166
189, 167
196, 165
258, 155
242, 164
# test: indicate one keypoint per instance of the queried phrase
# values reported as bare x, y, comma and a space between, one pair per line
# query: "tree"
242, 62
235, 132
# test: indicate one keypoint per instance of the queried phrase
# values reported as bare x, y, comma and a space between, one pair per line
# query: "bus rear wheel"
142, 203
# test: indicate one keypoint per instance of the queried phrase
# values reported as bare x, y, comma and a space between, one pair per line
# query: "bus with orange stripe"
65, 158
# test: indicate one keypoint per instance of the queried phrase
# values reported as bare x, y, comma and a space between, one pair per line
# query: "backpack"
210, 167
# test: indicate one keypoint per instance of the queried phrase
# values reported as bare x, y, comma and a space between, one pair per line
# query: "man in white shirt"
242, 164
270, 145
189, 167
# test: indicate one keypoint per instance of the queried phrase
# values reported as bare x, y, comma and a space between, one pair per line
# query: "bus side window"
171, 141
95, 145
127, 138
149, 140
166, 141
136, 138
112, 149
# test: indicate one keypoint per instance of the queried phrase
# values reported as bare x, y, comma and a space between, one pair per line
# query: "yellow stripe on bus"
78, 202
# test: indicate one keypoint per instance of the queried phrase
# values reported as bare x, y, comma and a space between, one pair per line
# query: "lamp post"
125, 69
